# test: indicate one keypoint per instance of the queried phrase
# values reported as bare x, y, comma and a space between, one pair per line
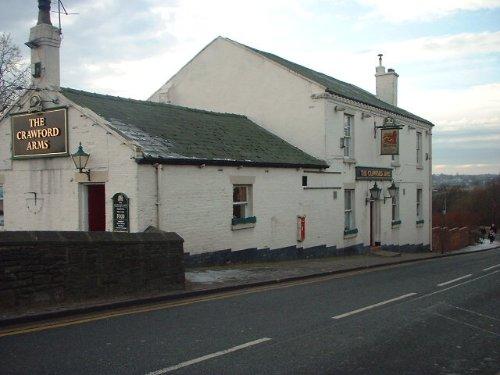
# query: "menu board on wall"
121, 213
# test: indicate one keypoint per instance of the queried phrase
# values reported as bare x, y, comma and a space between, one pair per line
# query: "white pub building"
246, 155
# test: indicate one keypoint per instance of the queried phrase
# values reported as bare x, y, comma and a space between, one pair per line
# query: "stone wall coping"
11, 238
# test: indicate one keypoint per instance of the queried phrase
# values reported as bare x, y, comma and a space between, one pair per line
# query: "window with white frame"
349, 222
1, 207
419, 148
395, 206
348, 135
242, 207
419, 204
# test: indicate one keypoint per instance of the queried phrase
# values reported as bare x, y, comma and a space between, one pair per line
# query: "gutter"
230, 163
417, 118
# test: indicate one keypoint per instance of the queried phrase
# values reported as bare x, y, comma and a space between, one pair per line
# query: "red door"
97, 208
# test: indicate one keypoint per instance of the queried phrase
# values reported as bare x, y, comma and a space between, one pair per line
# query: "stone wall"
49, 268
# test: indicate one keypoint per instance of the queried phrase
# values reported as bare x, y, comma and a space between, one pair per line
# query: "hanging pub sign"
371, 173
389, 141
40, 134
120, 213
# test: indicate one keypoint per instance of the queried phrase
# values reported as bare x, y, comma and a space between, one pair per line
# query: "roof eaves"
416, 118
226, 162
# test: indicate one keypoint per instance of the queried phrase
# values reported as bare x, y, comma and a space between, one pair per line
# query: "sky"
446, 52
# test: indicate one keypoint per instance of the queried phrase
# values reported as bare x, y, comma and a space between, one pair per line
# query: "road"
440, 316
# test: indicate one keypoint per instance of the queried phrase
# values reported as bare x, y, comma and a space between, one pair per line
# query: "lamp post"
80, 158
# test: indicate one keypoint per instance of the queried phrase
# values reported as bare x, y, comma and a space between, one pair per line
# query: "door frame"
374, 223
83, 204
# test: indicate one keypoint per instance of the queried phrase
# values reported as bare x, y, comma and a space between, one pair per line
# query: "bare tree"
14, 73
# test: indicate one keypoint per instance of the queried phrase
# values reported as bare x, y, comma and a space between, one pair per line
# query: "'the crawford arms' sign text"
40, 134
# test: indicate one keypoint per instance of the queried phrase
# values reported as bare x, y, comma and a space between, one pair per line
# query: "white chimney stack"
44, 42
387, 83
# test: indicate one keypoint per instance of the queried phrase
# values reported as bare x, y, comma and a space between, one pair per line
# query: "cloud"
130, 48
397, 11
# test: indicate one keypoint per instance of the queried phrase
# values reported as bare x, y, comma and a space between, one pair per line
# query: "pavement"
431, 317
209, 280
242, 274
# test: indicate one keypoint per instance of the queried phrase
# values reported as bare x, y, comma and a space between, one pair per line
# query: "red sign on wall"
389, 141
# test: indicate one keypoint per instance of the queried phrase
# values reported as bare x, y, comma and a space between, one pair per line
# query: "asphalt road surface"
440, 316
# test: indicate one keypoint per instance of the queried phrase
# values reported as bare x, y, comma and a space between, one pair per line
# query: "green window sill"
244, 220
350, 231
420, 221
395, 223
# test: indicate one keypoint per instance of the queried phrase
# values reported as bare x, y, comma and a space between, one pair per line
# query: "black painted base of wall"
228, 256
408, 248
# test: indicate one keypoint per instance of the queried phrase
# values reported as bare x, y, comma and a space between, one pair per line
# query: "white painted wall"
227, 77
197, 204
55, 181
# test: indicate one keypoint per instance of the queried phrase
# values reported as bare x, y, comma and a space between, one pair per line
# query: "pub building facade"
300, 169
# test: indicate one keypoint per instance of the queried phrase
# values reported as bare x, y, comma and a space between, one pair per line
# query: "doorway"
374, 223
96, 203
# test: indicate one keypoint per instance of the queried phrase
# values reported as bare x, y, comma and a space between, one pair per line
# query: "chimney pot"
44, 12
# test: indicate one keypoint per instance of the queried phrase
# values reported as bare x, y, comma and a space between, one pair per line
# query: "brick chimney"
387, 83
44, 43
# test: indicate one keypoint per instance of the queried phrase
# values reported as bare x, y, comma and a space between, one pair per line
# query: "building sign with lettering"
370, 173
120, 213
389, 141
40, 134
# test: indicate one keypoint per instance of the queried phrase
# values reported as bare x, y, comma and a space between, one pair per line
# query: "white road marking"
454, 286
373, 306
457, 279
209, 356
490, 268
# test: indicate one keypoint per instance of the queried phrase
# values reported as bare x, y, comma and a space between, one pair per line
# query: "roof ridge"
149, 102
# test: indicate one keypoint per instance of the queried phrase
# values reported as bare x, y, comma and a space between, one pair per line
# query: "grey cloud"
462, 146
124, 30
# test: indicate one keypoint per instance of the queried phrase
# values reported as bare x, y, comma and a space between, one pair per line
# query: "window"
349, 210
419, 204
241, 201
395, 206
348, 135
304, 180
419, 148
1, 206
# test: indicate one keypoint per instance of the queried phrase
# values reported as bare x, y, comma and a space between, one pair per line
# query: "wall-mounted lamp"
374, 194
80, 158
392, 191
339, 108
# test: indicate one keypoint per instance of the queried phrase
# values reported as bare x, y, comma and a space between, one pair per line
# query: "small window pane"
240, 194
238, 211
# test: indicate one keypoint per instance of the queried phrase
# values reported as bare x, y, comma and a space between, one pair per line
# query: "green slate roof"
337, 87
178, 135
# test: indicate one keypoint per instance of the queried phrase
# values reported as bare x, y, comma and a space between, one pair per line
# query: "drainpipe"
158, 169
430, 190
